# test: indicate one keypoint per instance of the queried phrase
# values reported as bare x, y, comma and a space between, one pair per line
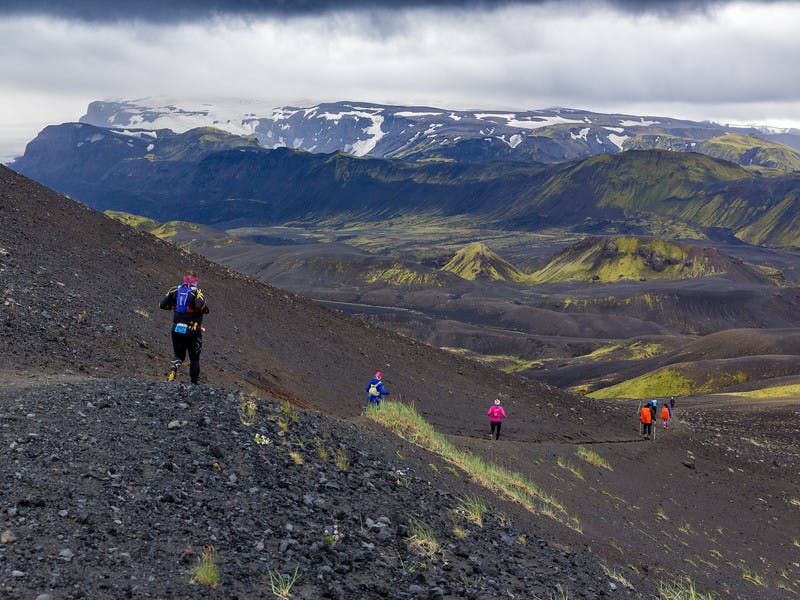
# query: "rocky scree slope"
115, 488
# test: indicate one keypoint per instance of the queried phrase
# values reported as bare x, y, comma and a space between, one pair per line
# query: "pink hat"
378, 375
190, 280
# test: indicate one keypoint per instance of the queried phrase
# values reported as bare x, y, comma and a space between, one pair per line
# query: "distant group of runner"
188, 304
648, 412
376, 391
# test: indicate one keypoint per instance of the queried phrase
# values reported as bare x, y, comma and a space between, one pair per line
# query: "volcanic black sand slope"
117, 481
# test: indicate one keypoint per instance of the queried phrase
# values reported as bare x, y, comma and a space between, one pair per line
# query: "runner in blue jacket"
375, 390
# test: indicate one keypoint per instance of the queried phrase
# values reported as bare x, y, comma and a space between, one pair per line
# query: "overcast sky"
731, 62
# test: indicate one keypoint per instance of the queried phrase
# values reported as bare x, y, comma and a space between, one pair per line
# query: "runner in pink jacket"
496, 415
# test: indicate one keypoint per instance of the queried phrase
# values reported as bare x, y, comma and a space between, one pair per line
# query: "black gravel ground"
113, 489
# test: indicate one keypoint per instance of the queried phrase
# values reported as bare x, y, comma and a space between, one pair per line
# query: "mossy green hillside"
668, 381
187, 235
196, 143
135, 221
630, 258
700, 377
751, 150
401, 275
478, 261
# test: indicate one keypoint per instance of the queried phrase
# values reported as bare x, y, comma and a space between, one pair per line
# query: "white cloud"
735, 62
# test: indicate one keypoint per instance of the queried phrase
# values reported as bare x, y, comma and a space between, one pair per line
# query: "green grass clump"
206, 571
247, 411
565, 464
341, 459
680, 590
281, 585
473, 508
422, 540
408, 424
593, 458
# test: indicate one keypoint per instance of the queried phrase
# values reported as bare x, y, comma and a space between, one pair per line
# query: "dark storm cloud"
194, 10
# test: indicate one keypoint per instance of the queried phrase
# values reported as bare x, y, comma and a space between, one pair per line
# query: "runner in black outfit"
188, 305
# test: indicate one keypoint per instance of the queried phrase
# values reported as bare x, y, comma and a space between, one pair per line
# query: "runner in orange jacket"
646, 418
665, 416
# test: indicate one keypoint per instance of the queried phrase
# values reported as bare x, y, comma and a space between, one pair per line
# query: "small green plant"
247, 411
206, 571
468, 581
559, 593
753, 578
686, 528
616, 576
331, 535
473, 508
795, 501
422, 540
680, 590
459, 531
565, 464
593, 458
290, 412
322, 451
341, 459
433, 467
452, 471
261, 440
661, 514
281, 585
295, 456
401, 478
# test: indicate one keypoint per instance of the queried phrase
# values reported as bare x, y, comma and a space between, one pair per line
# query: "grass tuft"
422, 540
616, 576
565, 464
473, 508
247, 411
341, 459
593, 458
322, 451
206, 571
680, 590
281, 585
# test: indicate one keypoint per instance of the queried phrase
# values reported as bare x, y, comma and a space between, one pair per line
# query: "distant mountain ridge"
227, 181
421, 132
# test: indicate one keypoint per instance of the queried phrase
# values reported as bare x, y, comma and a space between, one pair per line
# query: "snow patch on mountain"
506, 116
362, 147
540, 122
514, 141
136, 134
406, 113
618, 140
581, 135
639, 123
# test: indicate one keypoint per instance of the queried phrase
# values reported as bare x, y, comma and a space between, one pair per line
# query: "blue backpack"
182, 298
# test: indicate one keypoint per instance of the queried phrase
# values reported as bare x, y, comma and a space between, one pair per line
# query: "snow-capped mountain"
418, 132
